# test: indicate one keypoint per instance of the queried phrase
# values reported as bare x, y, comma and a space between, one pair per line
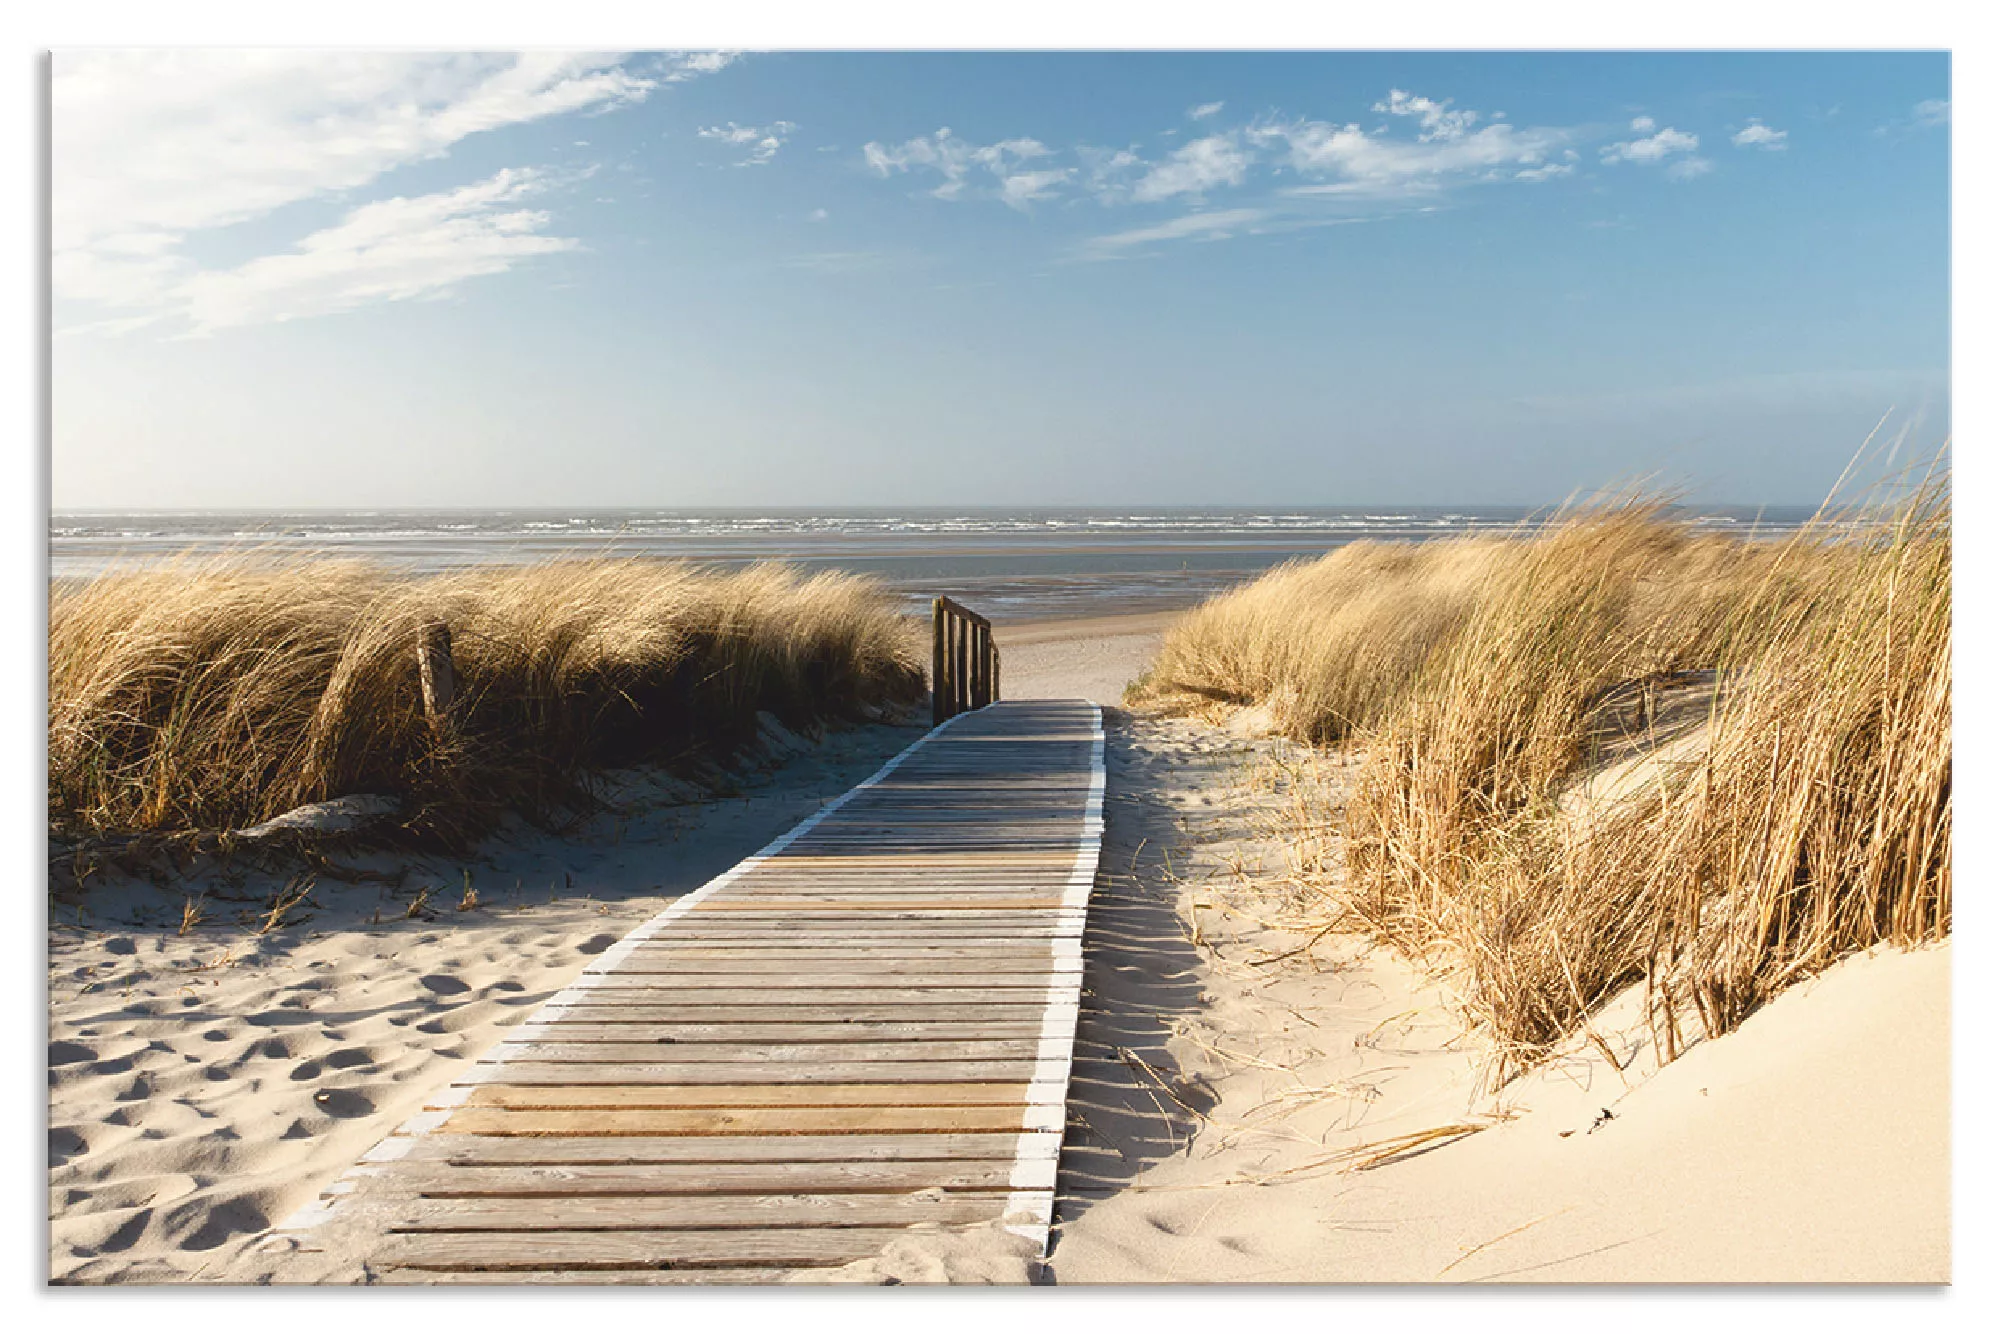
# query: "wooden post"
965, 665
978, 671
434, 671
940, 710
996, 675
983, 692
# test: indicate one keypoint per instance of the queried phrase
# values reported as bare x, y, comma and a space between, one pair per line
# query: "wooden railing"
965, 666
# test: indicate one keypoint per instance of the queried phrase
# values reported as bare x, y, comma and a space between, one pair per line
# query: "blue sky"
844, 279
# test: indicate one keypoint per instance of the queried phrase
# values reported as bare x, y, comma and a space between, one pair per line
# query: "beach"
244, 1071
1228, 1076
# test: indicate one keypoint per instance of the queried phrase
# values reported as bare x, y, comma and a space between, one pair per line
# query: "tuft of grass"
1484, 679
215, 693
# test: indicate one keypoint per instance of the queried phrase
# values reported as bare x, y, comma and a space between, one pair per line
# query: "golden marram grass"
1481, 677
213, 693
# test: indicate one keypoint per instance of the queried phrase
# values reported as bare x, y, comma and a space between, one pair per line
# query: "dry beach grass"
1486, 679
210, 694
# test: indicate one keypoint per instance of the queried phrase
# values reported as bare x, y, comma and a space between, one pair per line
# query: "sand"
204, 1085
1086, 659
1232, 1079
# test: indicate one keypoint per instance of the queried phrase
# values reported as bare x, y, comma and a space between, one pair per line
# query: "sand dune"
1227, 1092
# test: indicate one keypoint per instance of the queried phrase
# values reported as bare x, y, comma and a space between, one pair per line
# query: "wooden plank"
615, 1026
777, 1072
731, 1120
526, 1251
926, 1006
749, 1095
914, 977
641, 1213
484, 1181
661, 991
739, 1055
718, 1275
630, 1150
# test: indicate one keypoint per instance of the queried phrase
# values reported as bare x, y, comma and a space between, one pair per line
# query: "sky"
315, 279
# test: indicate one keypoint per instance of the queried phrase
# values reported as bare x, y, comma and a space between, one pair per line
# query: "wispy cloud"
1653, 146
1435, 119
1212, 226
1291, 172
1759, 135
152, 147
1195, 168
391, 250
1930, 114
680, 66
952, 158
759, 142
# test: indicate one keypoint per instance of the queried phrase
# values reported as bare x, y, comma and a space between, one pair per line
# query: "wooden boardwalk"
864, 1027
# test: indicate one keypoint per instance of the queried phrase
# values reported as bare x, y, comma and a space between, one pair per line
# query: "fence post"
434, 672
940, 710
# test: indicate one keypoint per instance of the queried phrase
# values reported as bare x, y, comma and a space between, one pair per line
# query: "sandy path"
1086, 659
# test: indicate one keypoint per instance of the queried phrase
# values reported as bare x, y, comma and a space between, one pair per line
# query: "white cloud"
151, 147
954, 159
1362, 163
1547, 171
1932, 111
1204, 111
1435, 119
1653, 148
1643, 125
1026, 187
1195, 169
1759, 135
1213, 226
1688, 169
761, 142
817, 215
391, 250
680, 66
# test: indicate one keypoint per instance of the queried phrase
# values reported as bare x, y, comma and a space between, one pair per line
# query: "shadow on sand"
1130, 1105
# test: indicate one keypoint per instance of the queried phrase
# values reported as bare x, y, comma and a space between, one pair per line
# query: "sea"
1013, 565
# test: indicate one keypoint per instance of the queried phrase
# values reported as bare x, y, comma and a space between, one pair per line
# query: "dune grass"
1483, 678
214, 693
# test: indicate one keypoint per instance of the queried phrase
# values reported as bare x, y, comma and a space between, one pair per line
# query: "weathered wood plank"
513, 1252
744, 1054
928, 1007
542, 1073
747, 1095
641, 1213
466, 1150
614, 1025
490, 1181
731, 1120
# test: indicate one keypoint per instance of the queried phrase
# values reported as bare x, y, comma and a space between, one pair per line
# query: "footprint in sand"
443, 984
597, 944
343, 1104
69, 1053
